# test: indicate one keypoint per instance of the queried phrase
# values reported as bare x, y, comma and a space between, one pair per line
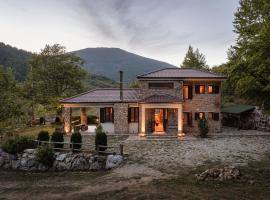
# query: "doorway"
159, 120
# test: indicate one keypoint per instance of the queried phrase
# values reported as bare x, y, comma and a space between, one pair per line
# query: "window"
200, 89
133, 114
213, 89
199, 115
106, 114
187, 118
210, 89
216, 116
210, 116
160, 85
187, 91
213, 116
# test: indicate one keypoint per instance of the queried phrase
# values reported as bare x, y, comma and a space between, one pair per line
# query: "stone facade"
146, 92
67, 119
121, 125
203, 103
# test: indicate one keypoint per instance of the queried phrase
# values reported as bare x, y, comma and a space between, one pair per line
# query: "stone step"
161, 136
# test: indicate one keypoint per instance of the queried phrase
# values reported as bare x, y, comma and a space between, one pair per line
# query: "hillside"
15, 58
108, 62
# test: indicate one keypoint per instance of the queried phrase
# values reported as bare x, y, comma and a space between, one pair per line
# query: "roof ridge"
157, 71
92, 90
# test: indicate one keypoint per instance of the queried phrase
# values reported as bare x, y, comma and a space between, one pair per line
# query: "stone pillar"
143, 120
67, 119
83, 116
180, 119
121, 125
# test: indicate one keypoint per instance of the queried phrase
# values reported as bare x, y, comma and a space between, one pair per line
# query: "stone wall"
121, 118
146, 92
203, 103
67, 119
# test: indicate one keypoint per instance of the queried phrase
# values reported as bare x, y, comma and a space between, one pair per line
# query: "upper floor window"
199, 89
106, 114
160, 85
213, 89
187, 91
213, 116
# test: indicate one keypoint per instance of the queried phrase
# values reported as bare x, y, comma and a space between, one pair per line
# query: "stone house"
168, 101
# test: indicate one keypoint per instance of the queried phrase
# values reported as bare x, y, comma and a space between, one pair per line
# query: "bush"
76, 138
43, 136
45, 155
18, 145
10, 146
57, 136
203, 127
101, 138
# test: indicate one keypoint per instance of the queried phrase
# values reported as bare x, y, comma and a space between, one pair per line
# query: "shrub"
101, 138
57, 136
45, 155
203, 127
25, 143
76, 138
43, 136
18, 145
10, 146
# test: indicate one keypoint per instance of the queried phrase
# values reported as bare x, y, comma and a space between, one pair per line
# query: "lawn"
106, 185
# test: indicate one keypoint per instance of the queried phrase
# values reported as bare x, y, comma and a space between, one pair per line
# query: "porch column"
83, 116
180, 119
143, 120
67, 119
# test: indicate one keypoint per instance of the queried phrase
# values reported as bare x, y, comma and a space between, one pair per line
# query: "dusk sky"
153, 28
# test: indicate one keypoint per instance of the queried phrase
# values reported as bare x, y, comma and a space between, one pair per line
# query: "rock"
94, 164
79, 163
61, 157
2, 161
15, 164
221, 174
113, 161
42, 167
29, 151
23, 162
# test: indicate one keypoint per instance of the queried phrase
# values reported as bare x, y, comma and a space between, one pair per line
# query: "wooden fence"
85, 147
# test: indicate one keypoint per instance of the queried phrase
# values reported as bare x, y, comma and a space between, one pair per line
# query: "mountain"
108, 62
15, 58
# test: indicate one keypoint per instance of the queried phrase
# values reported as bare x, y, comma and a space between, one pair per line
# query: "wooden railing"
69, 146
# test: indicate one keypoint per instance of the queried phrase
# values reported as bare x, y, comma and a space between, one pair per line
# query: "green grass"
75, 185
34, 130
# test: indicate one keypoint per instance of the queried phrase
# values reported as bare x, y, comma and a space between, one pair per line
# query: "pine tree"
194, 59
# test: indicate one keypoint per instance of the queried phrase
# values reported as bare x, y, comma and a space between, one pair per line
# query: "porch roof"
104, 95
161, 98
237, 109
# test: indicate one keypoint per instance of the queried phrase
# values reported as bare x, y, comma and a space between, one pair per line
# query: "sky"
157, 29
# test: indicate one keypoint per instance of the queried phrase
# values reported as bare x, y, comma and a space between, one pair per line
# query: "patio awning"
237, 109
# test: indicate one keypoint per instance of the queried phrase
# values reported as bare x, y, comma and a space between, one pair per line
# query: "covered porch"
161, 119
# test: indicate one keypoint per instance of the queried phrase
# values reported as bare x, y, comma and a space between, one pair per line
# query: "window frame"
107, 115
197, 115
170, 85
133, 114
198, 89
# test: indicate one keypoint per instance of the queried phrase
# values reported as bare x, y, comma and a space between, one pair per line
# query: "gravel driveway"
228, 150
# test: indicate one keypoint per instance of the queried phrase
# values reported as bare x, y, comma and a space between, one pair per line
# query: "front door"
159, 120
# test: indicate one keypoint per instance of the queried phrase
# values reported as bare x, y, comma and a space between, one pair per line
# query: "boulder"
61, 157
113, 161
29, 151
2, 161
79, 163
94, 164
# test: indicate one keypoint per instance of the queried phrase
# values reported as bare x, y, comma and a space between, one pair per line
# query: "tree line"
248, 66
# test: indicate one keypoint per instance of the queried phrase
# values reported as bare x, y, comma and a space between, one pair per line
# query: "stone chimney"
121, 85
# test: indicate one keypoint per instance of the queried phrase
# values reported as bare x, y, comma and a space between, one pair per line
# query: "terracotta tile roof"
181, 73
160, 98
105, 95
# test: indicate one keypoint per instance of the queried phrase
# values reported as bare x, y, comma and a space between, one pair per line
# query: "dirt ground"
156, 170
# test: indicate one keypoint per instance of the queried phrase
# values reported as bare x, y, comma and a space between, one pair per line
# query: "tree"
194, 59
10, 100
248, 68
54, 74
134, 84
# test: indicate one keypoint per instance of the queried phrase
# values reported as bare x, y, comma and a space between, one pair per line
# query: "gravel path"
229, 150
